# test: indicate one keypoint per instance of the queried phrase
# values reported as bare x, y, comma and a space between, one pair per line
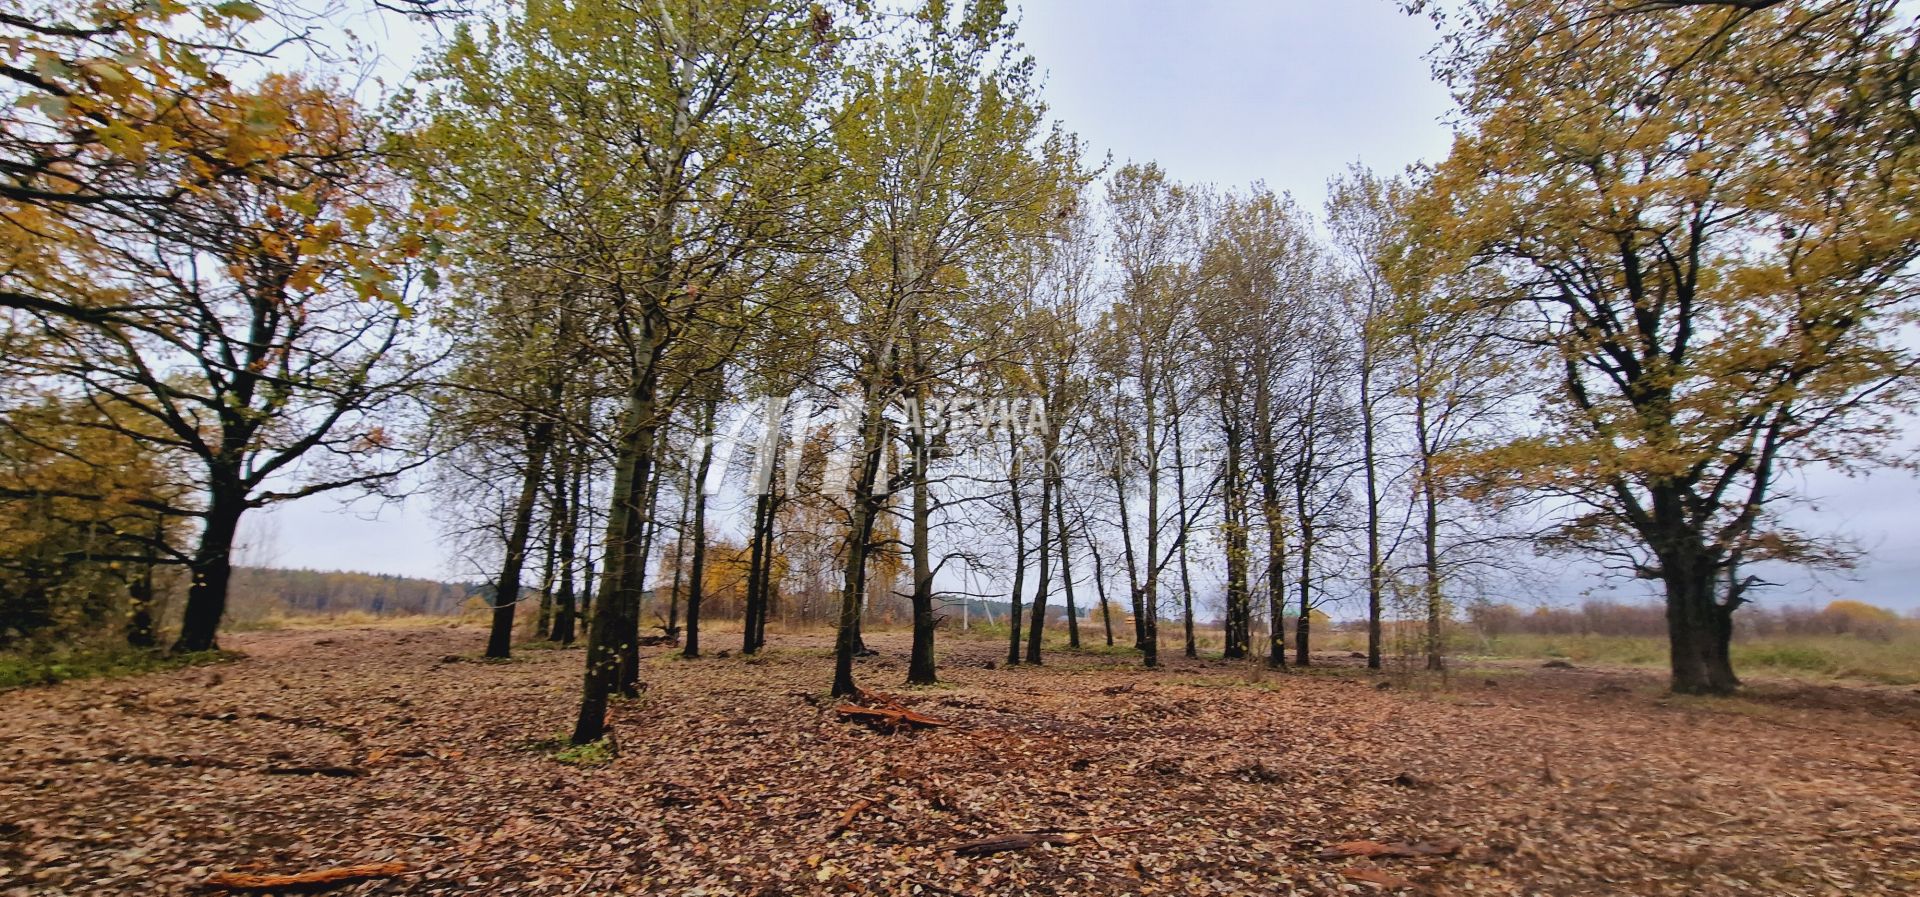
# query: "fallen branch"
336, 772
322, 878
1346, 849
846, 819
891, 718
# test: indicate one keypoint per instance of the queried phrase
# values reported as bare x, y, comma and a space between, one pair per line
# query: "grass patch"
1894, 661
559, 747
52, 667
549, 645
589, 755
357, 619
1101, 647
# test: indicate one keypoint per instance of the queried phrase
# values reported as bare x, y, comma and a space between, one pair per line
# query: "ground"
733, 773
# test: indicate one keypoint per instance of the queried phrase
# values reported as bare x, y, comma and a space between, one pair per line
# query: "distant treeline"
1856, 618
260, 592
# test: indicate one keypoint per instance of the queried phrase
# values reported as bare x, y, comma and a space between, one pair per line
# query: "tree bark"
1239, 622
756, 602
1430, 519
1100, 583
1041, 583
1699, 625
1370, 465
567, 512
920, 669
859, 533
1180, 496
1127, 554
680, 555
1066, 562
610, 626
1019, 560
543, 626
211, 566
696, 576
140, 596
506, 594
635, 596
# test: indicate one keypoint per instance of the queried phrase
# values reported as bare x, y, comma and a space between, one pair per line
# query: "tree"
949, 162
1362, 221
1706, 312
86, 515
656, 185
278, 336
1153, 244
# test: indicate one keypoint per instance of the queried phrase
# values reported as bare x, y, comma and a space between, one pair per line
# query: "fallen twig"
893, 718
846, 819
322, 878
336, 772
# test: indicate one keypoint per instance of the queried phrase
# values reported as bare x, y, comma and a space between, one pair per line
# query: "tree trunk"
1239, 623
1304, 513
140, 628
756, 603
1436, 603
920, 670
1276, 559
1041, 583
1370, 465
1149, 599
636, 594
1019, 561
679, 556
568, 513
1302, 640
696, 575
1100, 584
543, 626
506, 594
1066, 563
1699, 630
1127, 554
620, 581
1186, 575
859, 532
769, 573
1430, 518
211, 567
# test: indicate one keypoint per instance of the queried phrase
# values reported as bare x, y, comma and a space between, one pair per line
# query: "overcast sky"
1283, 91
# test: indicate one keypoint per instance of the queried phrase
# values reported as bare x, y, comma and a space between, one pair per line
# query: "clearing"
323, 748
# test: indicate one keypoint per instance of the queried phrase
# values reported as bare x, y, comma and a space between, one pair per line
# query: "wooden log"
993, 844
316, 880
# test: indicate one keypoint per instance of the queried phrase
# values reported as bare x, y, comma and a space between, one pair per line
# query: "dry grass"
1895, 661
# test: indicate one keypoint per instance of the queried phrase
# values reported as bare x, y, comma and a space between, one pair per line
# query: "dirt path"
732, 771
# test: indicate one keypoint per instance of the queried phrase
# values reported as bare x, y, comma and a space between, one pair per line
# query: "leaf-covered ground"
335, 748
